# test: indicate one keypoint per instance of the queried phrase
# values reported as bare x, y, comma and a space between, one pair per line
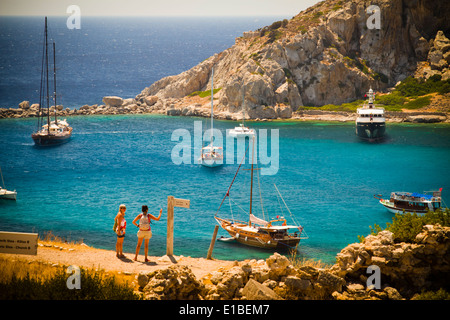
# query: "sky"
287, 8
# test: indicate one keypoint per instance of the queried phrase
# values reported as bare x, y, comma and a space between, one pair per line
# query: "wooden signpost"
18, 243
171, 203
213, 240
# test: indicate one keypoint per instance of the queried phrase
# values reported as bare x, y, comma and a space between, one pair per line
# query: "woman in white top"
145, 231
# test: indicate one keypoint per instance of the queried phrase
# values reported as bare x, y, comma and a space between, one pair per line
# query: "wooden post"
169, 251
171, 203
213, 241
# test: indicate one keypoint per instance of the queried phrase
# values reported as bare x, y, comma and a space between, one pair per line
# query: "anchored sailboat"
257, 232
242, 130
211, 156
4, 193
53, 132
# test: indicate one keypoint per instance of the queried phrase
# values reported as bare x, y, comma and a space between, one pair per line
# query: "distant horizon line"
143, 16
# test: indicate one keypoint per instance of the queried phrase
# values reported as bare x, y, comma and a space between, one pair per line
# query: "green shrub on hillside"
441, 294
203, 94
392, 99
406, 226
418, 103
412, 87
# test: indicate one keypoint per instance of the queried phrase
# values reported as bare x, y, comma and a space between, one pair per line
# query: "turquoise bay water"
326, 176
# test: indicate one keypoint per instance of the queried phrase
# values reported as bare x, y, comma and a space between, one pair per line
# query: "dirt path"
84, 256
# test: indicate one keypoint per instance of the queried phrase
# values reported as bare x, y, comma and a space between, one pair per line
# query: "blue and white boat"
400, 202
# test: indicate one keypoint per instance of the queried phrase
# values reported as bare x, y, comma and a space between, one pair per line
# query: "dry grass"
298, 263
42, 270
20, 268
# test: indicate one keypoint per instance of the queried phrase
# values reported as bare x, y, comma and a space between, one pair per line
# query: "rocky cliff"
330, 53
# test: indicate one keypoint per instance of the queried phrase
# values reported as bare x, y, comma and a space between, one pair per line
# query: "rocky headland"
327, 54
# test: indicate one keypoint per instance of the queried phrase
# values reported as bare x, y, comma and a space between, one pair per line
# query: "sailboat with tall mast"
211, 156
4, 193
242, 130
274, 234
57, 131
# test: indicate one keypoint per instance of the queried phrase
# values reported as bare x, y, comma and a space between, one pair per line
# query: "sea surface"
326, 176
109, 56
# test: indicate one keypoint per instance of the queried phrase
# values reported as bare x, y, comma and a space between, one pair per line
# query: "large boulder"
24, 105
173, 283
113, 101
254, 290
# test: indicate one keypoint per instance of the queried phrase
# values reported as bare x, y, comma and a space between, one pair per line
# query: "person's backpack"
115, 225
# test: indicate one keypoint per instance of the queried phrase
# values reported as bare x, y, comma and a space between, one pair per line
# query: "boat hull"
236, 133
210, 163
50, 140
373, 131
279, 245
257, 239
391, 208
8, 195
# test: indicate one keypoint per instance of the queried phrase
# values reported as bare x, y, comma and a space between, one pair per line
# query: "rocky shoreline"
378, 268
195, 106
405, 270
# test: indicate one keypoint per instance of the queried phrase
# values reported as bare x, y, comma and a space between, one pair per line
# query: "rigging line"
238, 205
231, 209
41, 86
228, 191
260, 196
279, 203
292, 217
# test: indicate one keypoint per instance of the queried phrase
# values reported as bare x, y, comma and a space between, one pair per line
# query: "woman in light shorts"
145, 230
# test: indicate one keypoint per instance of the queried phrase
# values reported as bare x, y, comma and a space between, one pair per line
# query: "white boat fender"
237, 235
268, 242
245, 239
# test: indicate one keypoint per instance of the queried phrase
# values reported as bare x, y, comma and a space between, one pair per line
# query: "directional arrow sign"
182, 203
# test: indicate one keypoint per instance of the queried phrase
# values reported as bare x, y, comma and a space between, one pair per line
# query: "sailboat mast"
251, 182
212, 104
46, 65
54, 78
243, 106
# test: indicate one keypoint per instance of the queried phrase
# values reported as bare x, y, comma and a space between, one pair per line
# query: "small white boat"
6, 194
242, 130
211, 156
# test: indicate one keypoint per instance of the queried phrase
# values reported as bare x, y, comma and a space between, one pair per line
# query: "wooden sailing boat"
211, 156
53, 132
273, 234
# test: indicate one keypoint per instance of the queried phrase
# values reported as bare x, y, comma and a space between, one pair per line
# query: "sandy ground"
84, 256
